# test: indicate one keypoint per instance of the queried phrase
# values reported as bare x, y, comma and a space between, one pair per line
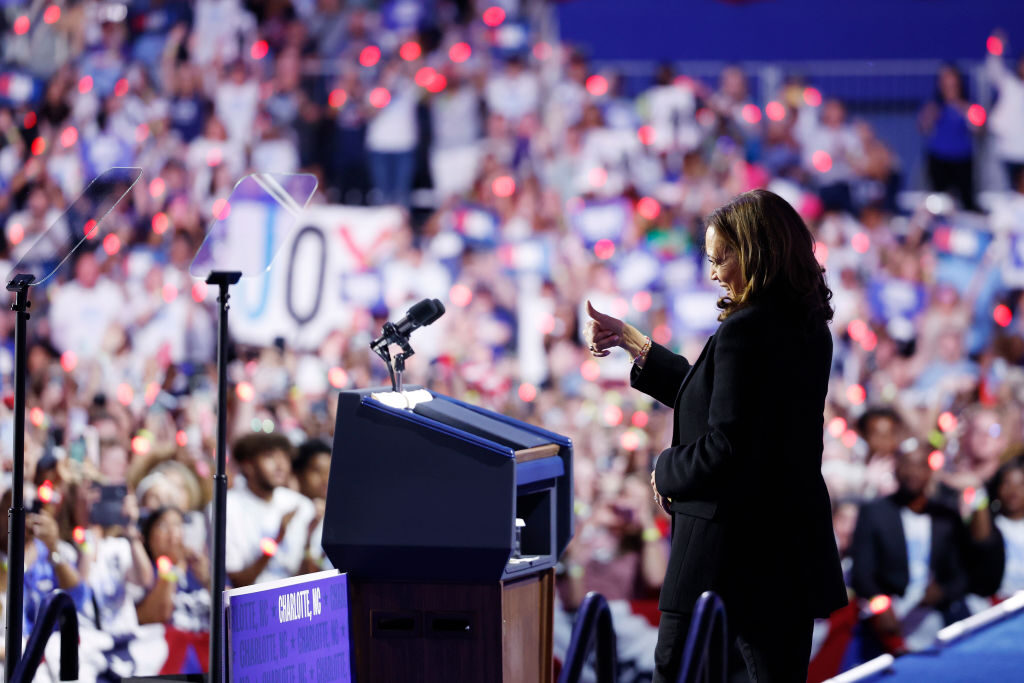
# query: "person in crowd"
883, 429
312, 469
268, 524
908, 561
1007, 119
179, 601
747, 438
997, 534
949, 145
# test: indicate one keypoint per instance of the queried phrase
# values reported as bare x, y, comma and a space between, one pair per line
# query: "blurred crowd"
501, 144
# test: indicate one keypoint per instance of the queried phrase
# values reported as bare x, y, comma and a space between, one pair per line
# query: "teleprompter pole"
223, 280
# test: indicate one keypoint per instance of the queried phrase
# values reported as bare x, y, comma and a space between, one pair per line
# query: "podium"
448, 519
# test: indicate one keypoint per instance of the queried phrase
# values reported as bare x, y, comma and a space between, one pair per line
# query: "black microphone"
420, 315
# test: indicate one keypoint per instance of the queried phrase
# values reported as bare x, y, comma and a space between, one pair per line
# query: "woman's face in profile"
725, 267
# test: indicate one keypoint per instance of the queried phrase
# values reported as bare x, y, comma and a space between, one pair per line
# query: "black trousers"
953, 176
774, 649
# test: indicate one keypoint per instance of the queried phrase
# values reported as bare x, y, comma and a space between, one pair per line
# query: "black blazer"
879, 551
751, 515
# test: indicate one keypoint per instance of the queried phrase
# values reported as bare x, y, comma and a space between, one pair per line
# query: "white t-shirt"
920, 623
513, 96
80, 316
251, 519
1013, 541
114, 596
393, 129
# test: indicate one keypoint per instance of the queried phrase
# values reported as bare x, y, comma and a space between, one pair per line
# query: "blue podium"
449, 520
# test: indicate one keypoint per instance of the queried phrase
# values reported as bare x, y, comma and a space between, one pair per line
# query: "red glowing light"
969, 494
141, 133
45, 491
590, 370
424, 75
776, 111
268, 546
947, 421
597, 177
169, 293
527, 392
597, 85
976, 115
849, 438
821, 253
16, 234
822, 161
879, 604
629, 440
153, 389
36, 416
857, 329
648, 207
52, 14
642, 301
855, 394
140, 445
111, 244
546, 324
160, 223
379, 98
994, 45
337, 98
85, 84
613, 415
662, 334
78, 535
812, 97
157, 187
221, 209
121, 87
38, 146
21, 25
460, 52
503, 186
542, 51
1002, 315
639, 419
164, 565
337, 377
68, 361
69, 136
645, 134
245, 391
89, 229
494, 16
437, 83
460, 295
259, 49
751, 113
936, 459
836, 427
860, 242
214, 156
869, 341
199, 290
410, 51
181, 438
369, 56
125, 393
30, 120
604, 249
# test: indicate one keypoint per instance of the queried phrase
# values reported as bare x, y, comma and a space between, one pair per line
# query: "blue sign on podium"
290, 631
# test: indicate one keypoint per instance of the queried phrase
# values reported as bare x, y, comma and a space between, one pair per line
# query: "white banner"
324, 271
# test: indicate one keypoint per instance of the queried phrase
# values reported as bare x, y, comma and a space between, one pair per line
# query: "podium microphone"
420, 315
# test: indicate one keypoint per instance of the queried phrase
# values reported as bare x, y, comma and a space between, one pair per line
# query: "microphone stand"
391, 335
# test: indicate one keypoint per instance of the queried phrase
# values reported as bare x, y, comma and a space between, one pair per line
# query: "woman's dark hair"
1016, 463
149, 521
775, 251
961, 82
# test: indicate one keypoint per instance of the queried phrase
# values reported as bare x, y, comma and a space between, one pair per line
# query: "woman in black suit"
751, 517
